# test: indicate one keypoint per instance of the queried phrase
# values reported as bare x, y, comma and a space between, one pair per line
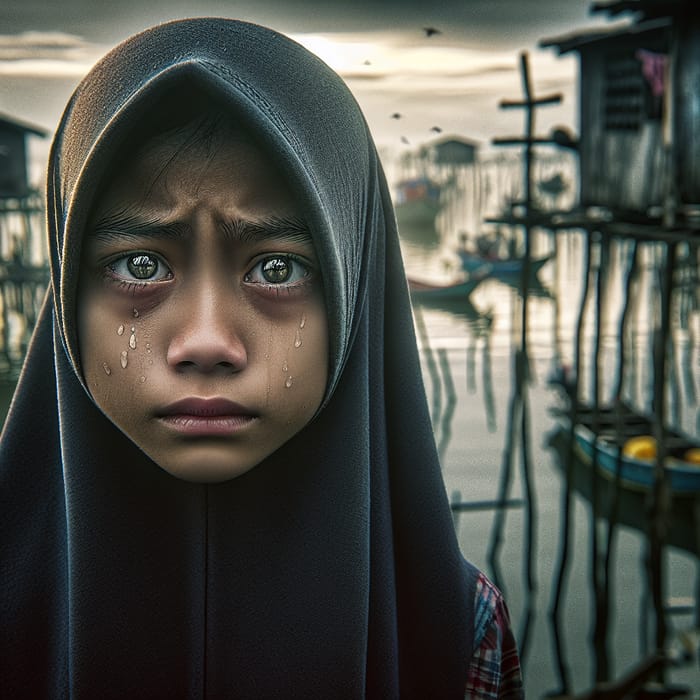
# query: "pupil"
276, 270
142, 266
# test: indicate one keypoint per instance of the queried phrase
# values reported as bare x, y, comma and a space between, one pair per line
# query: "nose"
206, 338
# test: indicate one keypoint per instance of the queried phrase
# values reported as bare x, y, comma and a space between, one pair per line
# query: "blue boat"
604, 446
631, 501
427, 291
637, 473
500, 267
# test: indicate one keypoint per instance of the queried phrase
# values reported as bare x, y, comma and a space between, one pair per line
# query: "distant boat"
553, 186
417, 203
426, 291
499, 267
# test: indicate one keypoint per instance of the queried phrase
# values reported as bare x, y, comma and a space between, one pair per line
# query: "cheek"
303, 367
114, 355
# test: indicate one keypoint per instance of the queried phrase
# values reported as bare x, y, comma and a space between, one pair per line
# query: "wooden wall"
621, 139
13, 162
687, 108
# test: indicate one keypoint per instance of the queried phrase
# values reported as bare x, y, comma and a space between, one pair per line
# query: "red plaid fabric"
494, 672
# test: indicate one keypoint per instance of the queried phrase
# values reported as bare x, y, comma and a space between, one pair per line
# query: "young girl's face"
201, 317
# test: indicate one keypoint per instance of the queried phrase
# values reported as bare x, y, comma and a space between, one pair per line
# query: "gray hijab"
331, 569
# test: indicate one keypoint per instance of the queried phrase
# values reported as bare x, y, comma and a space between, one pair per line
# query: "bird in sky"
436, 129
431, 31
405, 140
396, 115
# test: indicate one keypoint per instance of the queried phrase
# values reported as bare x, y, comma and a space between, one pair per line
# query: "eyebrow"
121, 225
292, 229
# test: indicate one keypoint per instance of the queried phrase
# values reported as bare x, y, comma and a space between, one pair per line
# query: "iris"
142, 266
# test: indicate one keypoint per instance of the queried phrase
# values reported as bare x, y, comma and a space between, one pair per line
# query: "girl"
218, 472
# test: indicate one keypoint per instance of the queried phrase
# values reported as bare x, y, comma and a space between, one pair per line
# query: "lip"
202, 417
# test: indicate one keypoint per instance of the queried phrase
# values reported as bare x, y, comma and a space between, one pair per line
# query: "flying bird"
396, 115
436, 129
431, 31
405, 140
367, 63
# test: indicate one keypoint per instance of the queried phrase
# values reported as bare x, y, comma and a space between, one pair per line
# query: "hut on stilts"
23, 255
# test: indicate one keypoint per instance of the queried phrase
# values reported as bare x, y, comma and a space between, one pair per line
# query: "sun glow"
342, 55
387, 56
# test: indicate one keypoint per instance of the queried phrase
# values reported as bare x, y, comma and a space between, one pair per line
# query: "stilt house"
639, 102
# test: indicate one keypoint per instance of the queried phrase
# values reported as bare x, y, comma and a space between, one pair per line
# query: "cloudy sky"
452, 80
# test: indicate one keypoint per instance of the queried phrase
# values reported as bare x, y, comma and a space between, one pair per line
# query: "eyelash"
296, 260
134, 285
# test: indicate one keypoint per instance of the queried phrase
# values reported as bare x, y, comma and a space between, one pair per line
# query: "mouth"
198, 417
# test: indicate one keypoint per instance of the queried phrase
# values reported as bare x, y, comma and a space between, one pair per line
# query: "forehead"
199, 136
207, 156
206, 140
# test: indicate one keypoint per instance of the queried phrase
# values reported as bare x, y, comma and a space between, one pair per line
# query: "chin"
207, 474
207, 468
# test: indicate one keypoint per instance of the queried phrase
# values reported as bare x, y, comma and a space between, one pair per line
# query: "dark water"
469, 352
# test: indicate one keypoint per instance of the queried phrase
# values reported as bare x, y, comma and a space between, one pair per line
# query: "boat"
615, 431
460, 307
427, 291
633, 493
500, 267
417, 203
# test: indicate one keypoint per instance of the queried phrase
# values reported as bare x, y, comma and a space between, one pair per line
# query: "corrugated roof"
648, 9
587, 37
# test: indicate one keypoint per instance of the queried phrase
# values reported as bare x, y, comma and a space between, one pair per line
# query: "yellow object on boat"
640, 447
643, 447
692, 456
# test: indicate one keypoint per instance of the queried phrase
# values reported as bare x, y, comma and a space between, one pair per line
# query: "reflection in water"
610, 500
445, 428
518, 443
566, 506
431, 365
608, 557
487, 373
517, 427
439, 371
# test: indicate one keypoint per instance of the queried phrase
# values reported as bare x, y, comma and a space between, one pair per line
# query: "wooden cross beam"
540, 101
529, 103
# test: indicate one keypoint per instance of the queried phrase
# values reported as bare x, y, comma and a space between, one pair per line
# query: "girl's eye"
144, 267
278, 270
